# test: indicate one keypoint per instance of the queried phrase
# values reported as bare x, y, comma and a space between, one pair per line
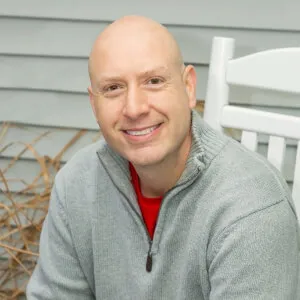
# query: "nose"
136, 103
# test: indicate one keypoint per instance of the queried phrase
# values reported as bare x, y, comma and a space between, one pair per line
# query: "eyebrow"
152, 71
109, 78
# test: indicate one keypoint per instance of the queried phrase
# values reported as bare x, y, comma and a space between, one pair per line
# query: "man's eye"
112, 88
155, 81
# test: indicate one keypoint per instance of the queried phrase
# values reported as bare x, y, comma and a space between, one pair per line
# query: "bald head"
132, 37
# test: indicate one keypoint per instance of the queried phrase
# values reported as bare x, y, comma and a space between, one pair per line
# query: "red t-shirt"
149, 206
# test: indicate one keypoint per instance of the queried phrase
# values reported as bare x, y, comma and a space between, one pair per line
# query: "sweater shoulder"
241, 182
82, 166
253, 168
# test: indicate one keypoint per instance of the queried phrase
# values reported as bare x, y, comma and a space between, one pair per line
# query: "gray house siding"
44, 49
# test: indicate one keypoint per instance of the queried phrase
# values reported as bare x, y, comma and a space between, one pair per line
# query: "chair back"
275, 70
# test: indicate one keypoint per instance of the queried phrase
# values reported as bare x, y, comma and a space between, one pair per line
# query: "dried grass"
22, 215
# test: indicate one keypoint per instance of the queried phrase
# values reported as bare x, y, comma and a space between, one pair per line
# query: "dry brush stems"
22, 215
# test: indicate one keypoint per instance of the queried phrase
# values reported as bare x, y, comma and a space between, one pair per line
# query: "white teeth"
141, 132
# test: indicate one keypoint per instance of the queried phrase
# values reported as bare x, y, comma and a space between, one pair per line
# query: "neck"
156, 180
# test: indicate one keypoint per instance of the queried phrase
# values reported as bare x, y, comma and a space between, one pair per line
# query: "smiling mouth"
141, 132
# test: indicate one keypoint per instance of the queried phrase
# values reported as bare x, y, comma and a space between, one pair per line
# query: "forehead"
130, 55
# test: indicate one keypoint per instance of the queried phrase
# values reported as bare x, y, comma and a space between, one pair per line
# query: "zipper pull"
149, 260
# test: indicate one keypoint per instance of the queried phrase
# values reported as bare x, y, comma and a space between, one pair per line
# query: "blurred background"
44, 108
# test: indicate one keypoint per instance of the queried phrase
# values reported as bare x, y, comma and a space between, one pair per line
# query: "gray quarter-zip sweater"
226, 230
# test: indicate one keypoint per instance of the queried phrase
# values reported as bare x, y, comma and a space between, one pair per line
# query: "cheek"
165, 101
175, 104
107, 114
106, 123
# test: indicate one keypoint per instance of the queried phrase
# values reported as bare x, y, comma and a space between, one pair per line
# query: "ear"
92, 100
190, 82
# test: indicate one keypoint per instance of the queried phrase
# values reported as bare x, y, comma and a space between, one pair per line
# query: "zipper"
149, 259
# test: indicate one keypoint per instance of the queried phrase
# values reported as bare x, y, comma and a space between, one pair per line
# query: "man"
163, 207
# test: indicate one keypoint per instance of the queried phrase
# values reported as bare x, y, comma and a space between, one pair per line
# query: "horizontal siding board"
47, 109
48, 37
244, 14
74, 39
51, 73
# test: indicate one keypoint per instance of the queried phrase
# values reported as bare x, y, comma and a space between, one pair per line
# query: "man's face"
143, 102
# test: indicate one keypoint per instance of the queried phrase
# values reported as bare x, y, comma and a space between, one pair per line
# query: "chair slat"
249, 140
276, 151
296, 185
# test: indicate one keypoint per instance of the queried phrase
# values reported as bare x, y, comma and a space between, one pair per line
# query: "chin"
145, 160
